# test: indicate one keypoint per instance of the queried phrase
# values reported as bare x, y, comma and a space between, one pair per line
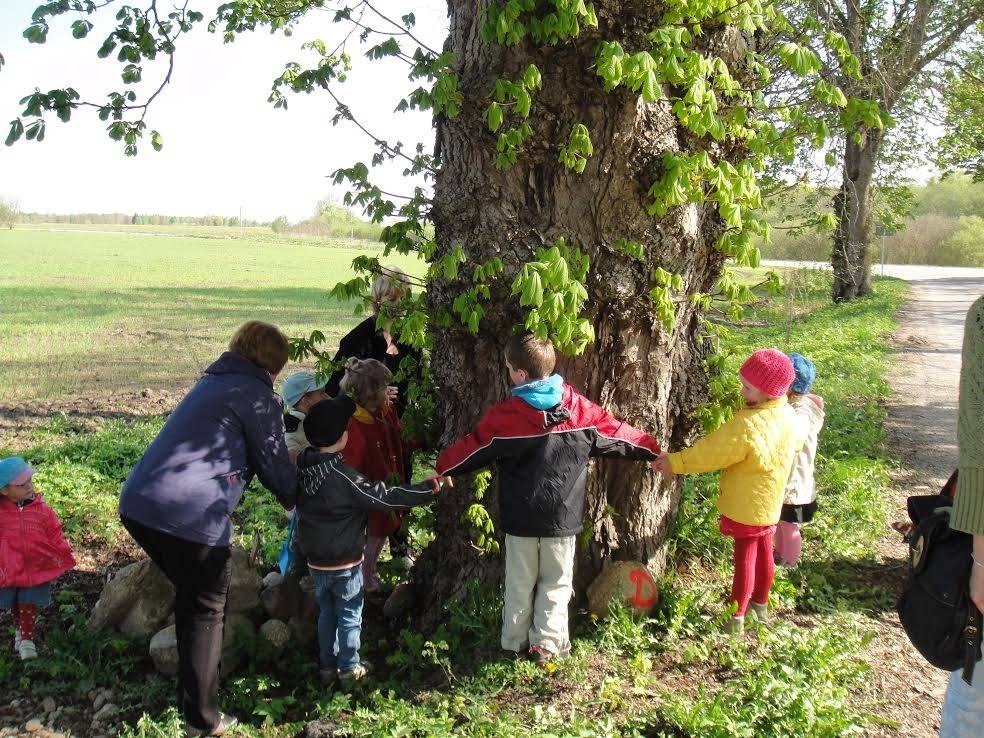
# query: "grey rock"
275, 632
239, 629
48, 704
272, 579
279, 599
304, 630
244, 587
164, 651
325, 728
106, 711
136, 601
102, 696
628, 581
288, 598
400, 601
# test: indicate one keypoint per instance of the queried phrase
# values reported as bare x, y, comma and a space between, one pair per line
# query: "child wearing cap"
33, 551
800, 502
755, 449
334, 501
301, 390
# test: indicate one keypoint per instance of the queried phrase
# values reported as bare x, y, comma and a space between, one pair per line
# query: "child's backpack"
935, 607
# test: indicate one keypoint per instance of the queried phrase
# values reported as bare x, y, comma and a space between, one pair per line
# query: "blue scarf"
542, 394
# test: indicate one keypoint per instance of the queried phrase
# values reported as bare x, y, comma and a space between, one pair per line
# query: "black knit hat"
327, 420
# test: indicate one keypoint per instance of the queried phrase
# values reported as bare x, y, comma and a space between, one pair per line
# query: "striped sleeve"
480, 448
616, 439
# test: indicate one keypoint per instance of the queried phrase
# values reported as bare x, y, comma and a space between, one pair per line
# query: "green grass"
671, 675
93, 314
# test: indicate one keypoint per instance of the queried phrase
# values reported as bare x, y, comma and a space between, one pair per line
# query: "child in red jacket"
376, 448
33, 551
540, 441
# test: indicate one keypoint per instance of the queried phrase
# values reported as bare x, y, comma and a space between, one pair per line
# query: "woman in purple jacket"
177, 500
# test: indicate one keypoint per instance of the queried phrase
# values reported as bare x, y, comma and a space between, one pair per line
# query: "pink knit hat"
769, 371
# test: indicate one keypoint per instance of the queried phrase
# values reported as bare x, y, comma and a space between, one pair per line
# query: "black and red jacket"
541, 457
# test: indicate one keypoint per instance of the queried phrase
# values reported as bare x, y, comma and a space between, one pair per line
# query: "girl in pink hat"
755, 449
33, 551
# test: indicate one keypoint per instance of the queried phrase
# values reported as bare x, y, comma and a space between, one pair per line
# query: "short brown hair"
365, 381
263, 344
535, 357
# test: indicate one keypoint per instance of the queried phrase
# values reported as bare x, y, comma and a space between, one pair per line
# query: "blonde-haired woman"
367, 341
375, 448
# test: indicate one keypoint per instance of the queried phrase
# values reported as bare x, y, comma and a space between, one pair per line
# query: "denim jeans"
339, 595
39, 595
963, 706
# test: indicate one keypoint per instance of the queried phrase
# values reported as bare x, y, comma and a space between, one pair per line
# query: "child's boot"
761, 611
27, 650
356, 674
735, 626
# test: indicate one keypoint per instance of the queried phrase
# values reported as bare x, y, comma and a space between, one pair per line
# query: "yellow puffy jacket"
756, 449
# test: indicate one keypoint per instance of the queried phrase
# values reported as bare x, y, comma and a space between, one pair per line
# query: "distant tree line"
944, 227
137, 219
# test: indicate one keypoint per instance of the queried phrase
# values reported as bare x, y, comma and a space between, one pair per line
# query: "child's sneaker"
27, 650
735, 626
17, 640
542, 656
347, 678
761, 611
226, 723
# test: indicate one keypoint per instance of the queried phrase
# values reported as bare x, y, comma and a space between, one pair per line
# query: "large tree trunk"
652, 377
854, 207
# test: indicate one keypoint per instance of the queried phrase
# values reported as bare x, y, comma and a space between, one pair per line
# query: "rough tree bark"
638, 370
854, 207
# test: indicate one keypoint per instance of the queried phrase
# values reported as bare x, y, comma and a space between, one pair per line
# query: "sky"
225, 147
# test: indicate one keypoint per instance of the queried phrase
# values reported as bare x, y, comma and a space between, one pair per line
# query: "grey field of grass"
146, 311
86, 313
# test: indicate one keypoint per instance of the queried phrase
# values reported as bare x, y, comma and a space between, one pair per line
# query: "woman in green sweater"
963, 707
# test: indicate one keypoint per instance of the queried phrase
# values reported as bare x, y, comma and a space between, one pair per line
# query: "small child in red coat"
375, 448
33, 551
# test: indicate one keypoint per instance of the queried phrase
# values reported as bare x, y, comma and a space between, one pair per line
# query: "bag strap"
972, 642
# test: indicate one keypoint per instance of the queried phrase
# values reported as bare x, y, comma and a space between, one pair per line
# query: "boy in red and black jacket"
540, 441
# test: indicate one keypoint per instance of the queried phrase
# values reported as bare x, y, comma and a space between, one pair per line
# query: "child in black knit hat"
334, 501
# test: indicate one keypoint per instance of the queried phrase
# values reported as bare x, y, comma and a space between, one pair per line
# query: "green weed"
780, 681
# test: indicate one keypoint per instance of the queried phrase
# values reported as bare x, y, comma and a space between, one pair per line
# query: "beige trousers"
539, 579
